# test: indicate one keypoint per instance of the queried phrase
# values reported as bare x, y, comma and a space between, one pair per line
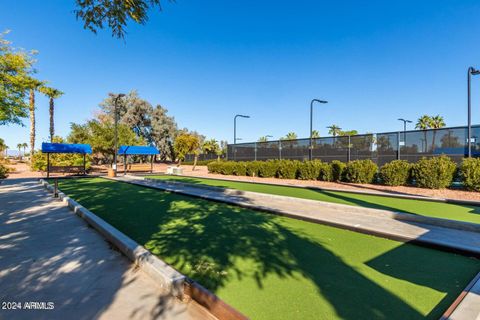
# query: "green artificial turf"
272, 267
426, 208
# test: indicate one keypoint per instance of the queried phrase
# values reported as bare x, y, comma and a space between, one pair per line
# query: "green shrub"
309, 170
326, 173
287, 169
396, 173
253, 168
360, 171
338, 169
267, 169
214, 166
434, 173
470, 173
3, 171
227, 168
240, 168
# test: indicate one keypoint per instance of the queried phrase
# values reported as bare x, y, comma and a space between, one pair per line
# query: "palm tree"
3, 146
436, 122
263, 139
6, 151
315, 134
19, 146
33, 86
291, 136
334, 130
52, 94
24, 146
423, 123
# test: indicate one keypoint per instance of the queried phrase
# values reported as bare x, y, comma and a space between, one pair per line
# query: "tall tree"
16, 74
186, 144
24, 146
19, 147
3, 146
315, 134
113, 13
164, 129
436, 122
33, 86
334, 130
423, 123
210, 147
52, 94
263, 139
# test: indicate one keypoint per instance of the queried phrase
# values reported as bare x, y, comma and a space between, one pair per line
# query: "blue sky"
205, 61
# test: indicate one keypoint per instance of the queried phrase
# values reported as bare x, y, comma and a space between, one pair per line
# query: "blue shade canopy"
139, 150
66, 148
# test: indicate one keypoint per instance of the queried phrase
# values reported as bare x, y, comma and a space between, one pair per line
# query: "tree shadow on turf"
206, 240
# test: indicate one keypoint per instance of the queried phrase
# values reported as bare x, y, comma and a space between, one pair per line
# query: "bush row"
433, 173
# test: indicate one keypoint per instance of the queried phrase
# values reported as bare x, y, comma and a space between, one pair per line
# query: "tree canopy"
16, 79
114, 14
186, 144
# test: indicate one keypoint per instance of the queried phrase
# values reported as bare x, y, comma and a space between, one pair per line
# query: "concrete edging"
441, 222
167, 277
370, 193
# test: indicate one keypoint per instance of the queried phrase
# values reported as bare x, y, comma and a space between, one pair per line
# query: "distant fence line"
381, 148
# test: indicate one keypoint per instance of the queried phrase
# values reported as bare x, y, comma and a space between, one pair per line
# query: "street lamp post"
471, 71
310, 153
404, 128
235, 134
120, 95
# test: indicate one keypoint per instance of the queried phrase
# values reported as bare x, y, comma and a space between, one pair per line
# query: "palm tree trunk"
32, 121
52, 128
195, 158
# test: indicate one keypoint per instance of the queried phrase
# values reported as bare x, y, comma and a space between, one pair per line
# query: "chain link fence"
379, 147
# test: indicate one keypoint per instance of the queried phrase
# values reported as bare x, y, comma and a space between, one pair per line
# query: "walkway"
378, 222
48, 254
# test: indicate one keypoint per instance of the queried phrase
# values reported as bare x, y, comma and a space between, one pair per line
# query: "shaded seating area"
52, 148
125, 151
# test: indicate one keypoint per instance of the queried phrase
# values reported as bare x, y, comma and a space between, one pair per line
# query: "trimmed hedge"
287, 169
338, 170
396, 173
470, 173
268, 169
434, 173
360, 171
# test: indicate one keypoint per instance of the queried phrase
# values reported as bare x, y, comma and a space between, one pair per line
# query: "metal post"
349, 152
469, 101
398, 145
310, 152
116, 131
84, 164
255, 151
48, 165
471, 71
280, 149
125, 164
235, 134
55, 188
151, 164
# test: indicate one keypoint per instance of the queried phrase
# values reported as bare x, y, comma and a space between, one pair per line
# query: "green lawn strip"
426, 208
272, 267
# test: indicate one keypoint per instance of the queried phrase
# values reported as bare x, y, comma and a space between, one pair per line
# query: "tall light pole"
235, 133
471, 71
311, 126
115, 102
404, 128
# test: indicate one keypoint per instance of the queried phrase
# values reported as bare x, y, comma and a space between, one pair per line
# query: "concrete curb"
370, 193
446, 223
167, 277
467, 304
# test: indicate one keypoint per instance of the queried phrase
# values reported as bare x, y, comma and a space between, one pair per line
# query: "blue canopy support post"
138, 150
84, 164
151, 163
48, 165
124, 164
